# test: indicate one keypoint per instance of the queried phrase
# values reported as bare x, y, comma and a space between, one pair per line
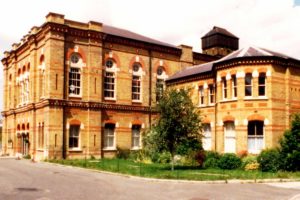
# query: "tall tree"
290, 146
178, 125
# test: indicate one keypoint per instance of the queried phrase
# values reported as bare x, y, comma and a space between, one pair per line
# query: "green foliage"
290, 146
178, 128
248, 160
269, 160
211, 159
27, 156
123, 153
229, 161
200, 157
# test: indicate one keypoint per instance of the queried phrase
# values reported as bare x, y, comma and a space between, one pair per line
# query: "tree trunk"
172, 161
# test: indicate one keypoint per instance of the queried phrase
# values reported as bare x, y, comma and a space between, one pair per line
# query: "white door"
229, 137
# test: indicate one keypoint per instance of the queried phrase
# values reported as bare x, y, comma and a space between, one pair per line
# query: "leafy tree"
290, 146
178, 126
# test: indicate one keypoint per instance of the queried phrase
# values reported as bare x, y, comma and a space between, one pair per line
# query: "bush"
200, 157
290, 146
123, 153
164, 157
229, 161
242, 154
269, 160
248, 160
211, 163
212, 154
252, 166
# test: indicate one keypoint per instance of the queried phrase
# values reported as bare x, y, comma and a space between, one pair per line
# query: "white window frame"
76, 66
138, 74
224, 88
207, 137
250, 85
256, 138
201, 96
107, 135
112, 84
78, 137
113, 70
134, 136
211, 96
234, 86
160, 78
229, 135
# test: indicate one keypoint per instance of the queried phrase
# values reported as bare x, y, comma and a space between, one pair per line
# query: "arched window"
110, 80
109, 136
42, 77
75, 75
201, 95
136, 82
160, 82
248, 85
229, 137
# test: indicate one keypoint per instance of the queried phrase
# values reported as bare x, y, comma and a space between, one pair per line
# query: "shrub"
269, 160
290, 146
252, 166
212, 154
164, 157
229, 161
211, 163
123, 153
200, 157
248, 160
242, 154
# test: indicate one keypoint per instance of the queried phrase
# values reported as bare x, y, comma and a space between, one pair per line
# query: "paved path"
22, 179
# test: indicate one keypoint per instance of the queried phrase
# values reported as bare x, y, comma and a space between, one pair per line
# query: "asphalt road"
22, 179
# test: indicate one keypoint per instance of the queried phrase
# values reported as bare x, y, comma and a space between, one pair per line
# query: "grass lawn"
163, 171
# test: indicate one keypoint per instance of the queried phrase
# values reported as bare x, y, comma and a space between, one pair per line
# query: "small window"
136, 88
75, 58
109, 85
201, 95
74, 136
160, 71
211, 94
234, 86
136, 136
248, 84
255, 136
109, 136
109, 63
136, 67
262, 84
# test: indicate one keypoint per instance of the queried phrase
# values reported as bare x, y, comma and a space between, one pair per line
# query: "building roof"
218, 30
246, 52
131, 35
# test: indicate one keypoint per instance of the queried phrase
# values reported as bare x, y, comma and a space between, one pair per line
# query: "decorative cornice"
192, 78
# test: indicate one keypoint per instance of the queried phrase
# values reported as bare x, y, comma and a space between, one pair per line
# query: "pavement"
23, 179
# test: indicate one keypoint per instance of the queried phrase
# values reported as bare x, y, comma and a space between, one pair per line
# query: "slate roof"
131, 35
218, 30
241, 53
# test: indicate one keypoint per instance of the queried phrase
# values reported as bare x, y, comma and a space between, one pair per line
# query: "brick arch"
74, 122
206, 120
132, 61
165, 67
223, 74
114, 57
262, 70
256, 117
248, 70
137, 122
110, 121
233, 72
228, 118
77, 50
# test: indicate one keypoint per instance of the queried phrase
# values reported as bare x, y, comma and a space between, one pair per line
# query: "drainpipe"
216, 107
150, 88
64, 147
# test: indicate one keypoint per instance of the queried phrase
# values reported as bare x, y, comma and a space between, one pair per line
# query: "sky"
272, 24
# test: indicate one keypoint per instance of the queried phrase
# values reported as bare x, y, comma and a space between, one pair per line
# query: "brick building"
73, 89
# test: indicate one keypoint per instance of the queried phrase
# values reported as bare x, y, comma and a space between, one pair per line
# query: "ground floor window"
136, 136
109, 136
255, 136
206, 141
229, 137
74, 136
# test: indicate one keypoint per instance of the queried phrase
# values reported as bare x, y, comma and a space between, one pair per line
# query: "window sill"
227, 100
256, 98
136, 101
75, 150
110, 99
75, 96
136, 148
109, 149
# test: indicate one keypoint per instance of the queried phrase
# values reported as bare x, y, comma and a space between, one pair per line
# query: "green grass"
162, 171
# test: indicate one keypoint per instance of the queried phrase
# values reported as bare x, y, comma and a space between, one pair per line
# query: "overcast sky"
272, 24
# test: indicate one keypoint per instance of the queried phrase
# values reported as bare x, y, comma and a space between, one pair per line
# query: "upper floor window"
234, 86
160, 82
136, 82
224, 87
109, 80
201, 95
211, 88
75, 75
262, 84
136, 136
248, 84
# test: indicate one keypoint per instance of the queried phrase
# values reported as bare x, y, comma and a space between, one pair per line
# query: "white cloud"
273, 24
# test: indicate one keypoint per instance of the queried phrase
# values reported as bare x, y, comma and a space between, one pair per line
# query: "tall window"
234, 86
211, 94
109, 85
201, 95
207, 137
41, 135
262, 84
75, 76
136, 136
224, 87
109, 136
229, 140
74, 136
136, 82
160, 82
42, 77
255, 136
248, 84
